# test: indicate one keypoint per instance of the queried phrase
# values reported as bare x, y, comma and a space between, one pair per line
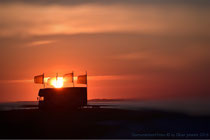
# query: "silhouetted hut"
62, 98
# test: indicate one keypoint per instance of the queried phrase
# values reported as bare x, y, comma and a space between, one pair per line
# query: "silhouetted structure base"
62, 98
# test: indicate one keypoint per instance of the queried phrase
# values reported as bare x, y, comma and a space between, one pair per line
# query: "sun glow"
57, 83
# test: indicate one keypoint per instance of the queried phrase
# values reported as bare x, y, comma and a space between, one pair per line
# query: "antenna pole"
43, 81
56, 77
73, 77
86, 85
86, 79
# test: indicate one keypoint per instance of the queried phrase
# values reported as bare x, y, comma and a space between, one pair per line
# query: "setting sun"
57, 83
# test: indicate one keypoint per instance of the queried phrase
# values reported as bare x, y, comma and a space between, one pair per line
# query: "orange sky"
131, 49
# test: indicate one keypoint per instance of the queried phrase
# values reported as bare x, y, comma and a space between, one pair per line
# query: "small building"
62, 98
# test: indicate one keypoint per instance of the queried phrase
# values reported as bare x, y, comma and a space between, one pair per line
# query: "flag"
39, 79
82, 79
68, 77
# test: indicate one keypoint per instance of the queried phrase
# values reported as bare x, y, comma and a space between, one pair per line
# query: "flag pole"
56, 78
43, 80
86, 85
86, 80
73, 77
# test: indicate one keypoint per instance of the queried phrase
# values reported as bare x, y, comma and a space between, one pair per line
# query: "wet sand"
102, 123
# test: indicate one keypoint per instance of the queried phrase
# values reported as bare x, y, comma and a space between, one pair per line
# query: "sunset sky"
141, 49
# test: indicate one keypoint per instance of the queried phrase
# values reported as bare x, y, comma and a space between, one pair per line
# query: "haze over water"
189, 107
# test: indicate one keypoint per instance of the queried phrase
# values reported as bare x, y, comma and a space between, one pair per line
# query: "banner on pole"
39, 79
82, 79
68, 77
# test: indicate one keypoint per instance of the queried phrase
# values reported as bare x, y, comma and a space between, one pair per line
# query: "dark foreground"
102, 123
